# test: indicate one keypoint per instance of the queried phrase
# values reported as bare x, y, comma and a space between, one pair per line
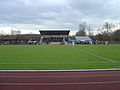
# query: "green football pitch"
59, 57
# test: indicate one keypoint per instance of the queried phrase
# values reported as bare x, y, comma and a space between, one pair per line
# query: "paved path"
91, 80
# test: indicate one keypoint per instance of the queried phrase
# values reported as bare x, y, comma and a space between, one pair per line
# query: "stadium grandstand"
54, 36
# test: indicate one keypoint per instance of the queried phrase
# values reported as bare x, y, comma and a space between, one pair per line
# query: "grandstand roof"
83, 38
54, 32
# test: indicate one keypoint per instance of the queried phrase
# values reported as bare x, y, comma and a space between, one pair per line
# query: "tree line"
108, 32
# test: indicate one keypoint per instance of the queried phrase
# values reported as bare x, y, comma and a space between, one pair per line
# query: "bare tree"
89, 31
82, 29
116, 35
108, 33
108, 26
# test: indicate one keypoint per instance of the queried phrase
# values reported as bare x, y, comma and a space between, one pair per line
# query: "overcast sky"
32, 15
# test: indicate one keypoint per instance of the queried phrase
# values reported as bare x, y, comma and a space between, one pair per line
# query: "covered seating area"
54, 36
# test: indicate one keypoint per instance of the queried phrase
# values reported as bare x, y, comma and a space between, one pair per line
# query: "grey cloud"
58, 13
100, 8
21, 12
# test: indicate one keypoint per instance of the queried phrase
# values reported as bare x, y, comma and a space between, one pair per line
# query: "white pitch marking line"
54, 63
93, 54
83, 83
64, 76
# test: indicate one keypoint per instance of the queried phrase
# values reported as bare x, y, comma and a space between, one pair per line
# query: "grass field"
59, 57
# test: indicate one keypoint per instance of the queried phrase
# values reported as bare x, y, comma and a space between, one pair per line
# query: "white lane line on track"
98, 56
82, 83
74, 76
84, 70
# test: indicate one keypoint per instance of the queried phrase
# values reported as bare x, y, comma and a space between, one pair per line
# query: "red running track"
91, 80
